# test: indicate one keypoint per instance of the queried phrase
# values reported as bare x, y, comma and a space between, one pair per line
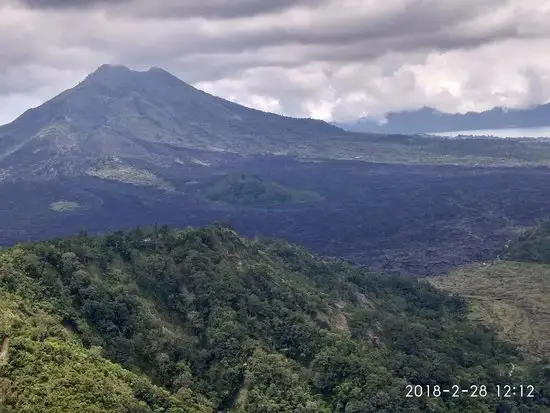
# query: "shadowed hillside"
129, 115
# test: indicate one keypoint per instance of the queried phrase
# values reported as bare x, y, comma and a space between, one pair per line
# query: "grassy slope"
513, 297
532, 245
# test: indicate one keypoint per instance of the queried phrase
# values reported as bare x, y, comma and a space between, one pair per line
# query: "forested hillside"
45, 368
221, 323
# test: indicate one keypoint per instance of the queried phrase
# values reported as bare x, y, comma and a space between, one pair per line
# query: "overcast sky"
329, 59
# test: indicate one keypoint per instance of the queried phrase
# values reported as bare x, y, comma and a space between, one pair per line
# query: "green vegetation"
252, 190
532, 245
45, 368
511, 297
65, 206
418, 150
221, 323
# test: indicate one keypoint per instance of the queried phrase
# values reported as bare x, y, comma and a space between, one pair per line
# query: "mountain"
121, 124
220, 323
117, 119
428, 120
119, 112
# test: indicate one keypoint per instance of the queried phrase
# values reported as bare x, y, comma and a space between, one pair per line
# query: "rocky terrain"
126, 148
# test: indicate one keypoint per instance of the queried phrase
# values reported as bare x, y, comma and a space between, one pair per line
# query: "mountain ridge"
155, 119
511, 293
116, 111
430, 120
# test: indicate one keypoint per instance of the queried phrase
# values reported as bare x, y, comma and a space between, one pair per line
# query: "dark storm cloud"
416, 17
64, 4
176, 8
422, 25
418, 24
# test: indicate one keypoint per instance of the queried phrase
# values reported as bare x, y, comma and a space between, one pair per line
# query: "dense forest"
204, 320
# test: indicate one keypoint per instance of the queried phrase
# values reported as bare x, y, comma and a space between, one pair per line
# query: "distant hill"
225, 324
252, 190
428, 120
533, 245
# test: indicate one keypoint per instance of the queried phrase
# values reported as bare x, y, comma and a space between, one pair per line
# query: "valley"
404, 219
126, 148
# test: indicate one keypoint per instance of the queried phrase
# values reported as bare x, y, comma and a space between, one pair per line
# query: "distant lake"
542, 132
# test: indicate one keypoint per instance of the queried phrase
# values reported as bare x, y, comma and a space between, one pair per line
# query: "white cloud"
333, 59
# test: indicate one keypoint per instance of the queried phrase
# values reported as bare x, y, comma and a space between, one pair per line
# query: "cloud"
171, 8
333, 59
63, 4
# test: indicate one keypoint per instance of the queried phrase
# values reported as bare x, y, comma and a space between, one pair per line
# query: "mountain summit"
119, 112
123, 119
